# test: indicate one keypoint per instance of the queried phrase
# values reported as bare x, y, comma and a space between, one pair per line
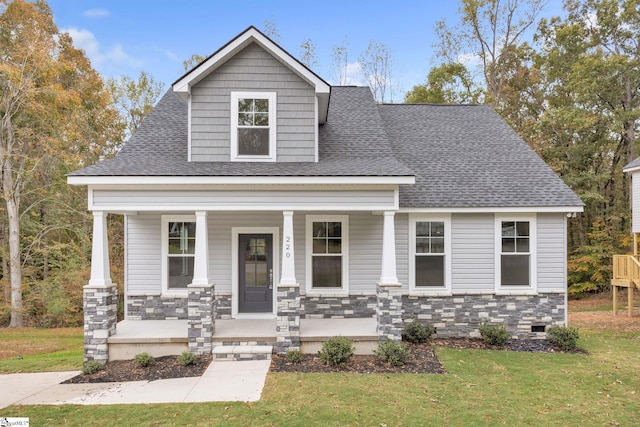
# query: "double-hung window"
327, 253
178, 249
253, 126
430, 259
516, 252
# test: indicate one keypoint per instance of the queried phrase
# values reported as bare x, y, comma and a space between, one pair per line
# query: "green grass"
482, 388
39, 350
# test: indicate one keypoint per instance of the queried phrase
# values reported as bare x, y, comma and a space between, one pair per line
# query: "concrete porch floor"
140, 331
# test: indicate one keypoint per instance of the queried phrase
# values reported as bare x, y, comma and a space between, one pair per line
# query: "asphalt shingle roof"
461, 156
467, 156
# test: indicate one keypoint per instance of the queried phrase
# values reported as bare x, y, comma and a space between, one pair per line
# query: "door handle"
271, 278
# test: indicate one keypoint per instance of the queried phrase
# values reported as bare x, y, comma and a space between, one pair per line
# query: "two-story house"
264, 206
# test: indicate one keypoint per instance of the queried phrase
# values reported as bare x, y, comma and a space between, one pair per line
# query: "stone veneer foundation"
160, 307
462, 315
347, 307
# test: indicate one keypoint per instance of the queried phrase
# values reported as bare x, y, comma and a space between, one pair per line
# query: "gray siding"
276, 199
472, 253
552, 241
365, 252
253, 69
143, 253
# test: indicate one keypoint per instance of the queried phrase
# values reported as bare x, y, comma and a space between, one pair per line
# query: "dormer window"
253, 126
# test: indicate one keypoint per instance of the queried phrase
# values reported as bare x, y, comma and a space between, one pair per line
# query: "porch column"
201, 302
388, 290
288, 293
100, 296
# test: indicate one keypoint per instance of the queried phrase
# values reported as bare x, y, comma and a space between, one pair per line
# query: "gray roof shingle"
461, 156
468, 156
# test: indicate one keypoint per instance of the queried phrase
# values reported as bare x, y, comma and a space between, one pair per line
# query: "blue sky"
122, 37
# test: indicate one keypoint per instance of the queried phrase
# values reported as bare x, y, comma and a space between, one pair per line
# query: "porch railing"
626, 274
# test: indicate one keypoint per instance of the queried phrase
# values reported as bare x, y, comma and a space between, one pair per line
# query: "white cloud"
86, 40
96, 13
172, 56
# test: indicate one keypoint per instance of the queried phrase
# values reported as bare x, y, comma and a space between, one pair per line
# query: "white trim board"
240, 180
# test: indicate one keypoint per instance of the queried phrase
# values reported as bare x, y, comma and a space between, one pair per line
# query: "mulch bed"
127, 370
423, 360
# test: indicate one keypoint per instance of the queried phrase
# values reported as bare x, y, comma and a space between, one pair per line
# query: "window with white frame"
430, 259
516, 252
253, 126
327, 253
178, 252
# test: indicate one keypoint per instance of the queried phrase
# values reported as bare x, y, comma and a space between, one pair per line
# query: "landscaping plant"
187, 358
565, 337
294, 356
91, 367
143, 359
494, 334
416, 332
393, 353
336, 351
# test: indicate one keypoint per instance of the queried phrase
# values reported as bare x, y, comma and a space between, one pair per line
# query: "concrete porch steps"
241, 352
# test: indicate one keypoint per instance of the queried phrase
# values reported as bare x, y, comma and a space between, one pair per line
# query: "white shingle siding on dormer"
253, 69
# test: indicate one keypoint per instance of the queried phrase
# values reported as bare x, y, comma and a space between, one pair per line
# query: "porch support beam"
201, 252
288, 275
388, 275
100, 272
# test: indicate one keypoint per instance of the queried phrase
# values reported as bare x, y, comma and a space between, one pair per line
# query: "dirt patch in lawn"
605, 320
127, 370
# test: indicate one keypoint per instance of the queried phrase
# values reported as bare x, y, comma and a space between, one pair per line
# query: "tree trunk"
15, 272
5, 275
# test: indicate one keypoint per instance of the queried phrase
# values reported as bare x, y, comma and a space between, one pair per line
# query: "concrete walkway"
222, 382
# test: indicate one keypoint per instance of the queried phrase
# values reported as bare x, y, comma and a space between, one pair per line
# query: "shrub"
417, 332
494, 334
294, 356
393, 353
336, 351
187, 358
143, 359
91, 367
566, 338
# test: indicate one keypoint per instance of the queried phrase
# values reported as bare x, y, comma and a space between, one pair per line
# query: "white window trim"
435, 290
271, 96
309, 220
166, 219
532, 289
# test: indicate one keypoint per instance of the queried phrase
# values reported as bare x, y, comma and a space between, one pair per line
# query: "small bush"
393, 353
187, 358
294, 356
494, 334
336, 351
143, 359
91, 367
566, 338
417, 332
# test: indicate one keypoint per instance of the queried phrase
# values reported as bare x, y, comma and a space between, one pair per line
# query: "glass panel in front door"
256, 273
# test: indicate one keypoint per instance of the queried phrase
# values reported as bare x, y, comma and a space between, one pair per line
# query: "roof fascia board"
240, 180
631, 169
496, 209
183, 84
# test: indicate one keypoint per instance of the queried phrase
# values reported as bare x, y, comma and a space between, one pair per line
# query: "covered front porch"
170, 337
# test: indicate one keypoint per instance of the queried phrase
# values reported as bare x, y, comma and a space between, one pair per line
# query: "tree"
308, 53
376, 65
134, 99
52, 106
192, 62
488, 30
270, 29
446, 84
340, 56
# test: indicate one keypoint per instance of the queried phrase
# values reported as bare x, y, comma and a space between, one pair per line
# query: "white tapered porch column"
388, 275
100, 271
288, 275
201, 252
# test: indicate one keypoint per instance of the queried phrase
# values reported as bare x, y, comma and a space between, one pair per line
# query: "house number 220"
287, 247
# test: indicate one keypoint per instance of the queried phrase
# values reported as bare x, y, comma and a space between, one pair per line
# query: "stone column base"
201, 318
389, 311
288, 318
100, 304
